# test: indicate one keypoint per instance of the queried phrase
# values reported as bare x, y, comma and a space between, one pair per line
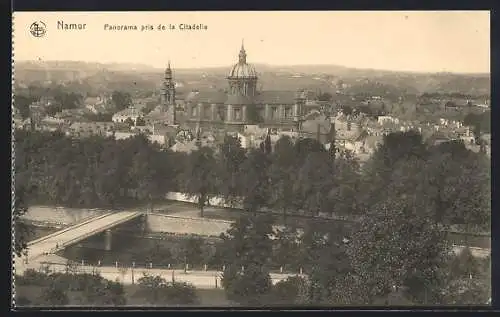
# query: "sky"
422, 41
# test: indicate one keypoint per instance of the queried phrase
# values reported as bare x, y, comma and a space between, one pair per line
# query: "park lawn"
33, 292
208, 297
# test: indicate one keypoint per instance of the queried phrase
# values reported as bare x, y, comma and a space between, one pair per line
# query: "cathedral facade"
241, 103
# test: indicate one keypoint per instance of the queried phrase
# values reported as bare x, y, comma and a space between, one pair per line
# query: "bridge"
68, 236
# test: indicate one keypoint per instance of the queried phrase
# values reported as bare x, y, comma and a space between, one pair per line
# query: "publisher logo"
38, 29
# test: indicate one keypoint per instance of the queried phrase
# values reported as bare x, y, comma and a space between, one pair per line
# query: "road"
199, 279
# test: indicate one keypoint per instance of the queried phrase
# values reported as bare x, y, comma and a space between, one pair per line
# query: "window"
262, 113
207, 112
221, 113
193, 111
274, 112
288, 112
348, 126
237, 114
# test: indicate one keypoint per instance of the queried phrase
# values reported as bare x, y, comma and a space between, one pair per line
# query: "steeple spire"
168, 71
243, 54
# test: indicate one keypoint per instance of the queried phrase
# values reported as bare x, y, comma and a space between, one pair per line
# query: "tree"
286, 292
157, 291
140, 122
67, 100
464, 265
150, 106
21, 230
146, 173
254, 181
54, 296
248, 287
22, 104
342, 196
232, 157
246, 250
199, 177
267, 144
281, 174
325, 97
93, 172
323, 257
459, 182
121, 100
377, 172
129, 122
181, 293
100, 292
287, 250
397, 245
192, 250
151, 288
248, 241
305, 146
313, 183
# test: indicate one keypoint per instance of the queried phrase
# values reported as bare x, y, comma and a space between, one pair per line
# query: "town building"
165, 112
97, 105
130, 113
87, 129
243, 103
317, 126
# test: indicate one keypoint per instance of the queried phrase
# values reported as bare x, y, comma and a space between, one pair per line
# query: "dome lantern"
242, 69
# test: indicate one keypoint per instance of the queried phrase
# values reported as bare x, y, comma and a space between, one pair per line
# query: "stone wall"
182, 225
59, 216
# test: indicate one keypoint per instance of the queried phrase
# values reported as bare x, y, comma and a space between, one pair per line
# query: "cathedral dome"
242, 69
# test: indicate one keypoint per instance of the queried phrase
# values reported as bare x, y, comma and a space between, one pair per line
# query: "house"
157, 116
163, 135
54, 120
387, 119
75, 113
96, 105
86, 129
185, 147
456, 105
317, 126
347, 127
129, 113
122, 135
247, 140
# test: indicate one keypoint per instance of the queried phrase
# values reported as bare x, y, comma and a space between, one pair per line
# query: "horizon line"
259, 63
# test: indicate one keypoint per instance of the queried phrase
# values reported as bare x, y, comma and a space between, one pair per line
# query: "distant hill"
272, 76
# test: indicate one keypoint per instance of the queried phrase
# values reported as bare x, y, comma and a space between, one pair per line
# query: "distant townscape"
253, 185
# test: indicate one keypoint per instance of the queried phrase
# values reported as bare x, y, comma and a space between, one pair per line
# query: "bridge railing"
68, 228
93, 232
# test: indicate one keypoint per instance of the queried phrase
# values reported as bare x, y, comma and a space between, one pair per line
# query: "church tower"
299, 108
168, 96
242, 78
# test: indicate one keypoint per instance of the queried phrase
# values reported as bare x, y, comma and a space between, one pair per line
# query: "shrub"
33, 277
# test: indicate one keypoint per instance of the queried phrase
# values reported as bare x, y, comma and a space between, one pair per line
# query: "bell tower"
168, 96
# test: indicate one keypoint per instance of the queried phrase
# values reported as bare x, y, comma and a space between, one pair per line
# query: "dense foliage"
403, 199
86, 289
157, 291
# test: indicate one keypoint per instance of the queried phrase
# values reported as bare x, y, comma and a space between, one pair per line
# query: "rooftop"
128, 112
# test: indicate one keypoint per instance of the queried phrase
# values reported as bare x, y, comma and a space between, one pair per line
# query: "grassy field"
207, 297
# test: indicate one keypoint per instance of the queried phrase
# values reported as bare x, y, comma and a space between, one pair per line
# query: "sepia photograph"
251, 159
